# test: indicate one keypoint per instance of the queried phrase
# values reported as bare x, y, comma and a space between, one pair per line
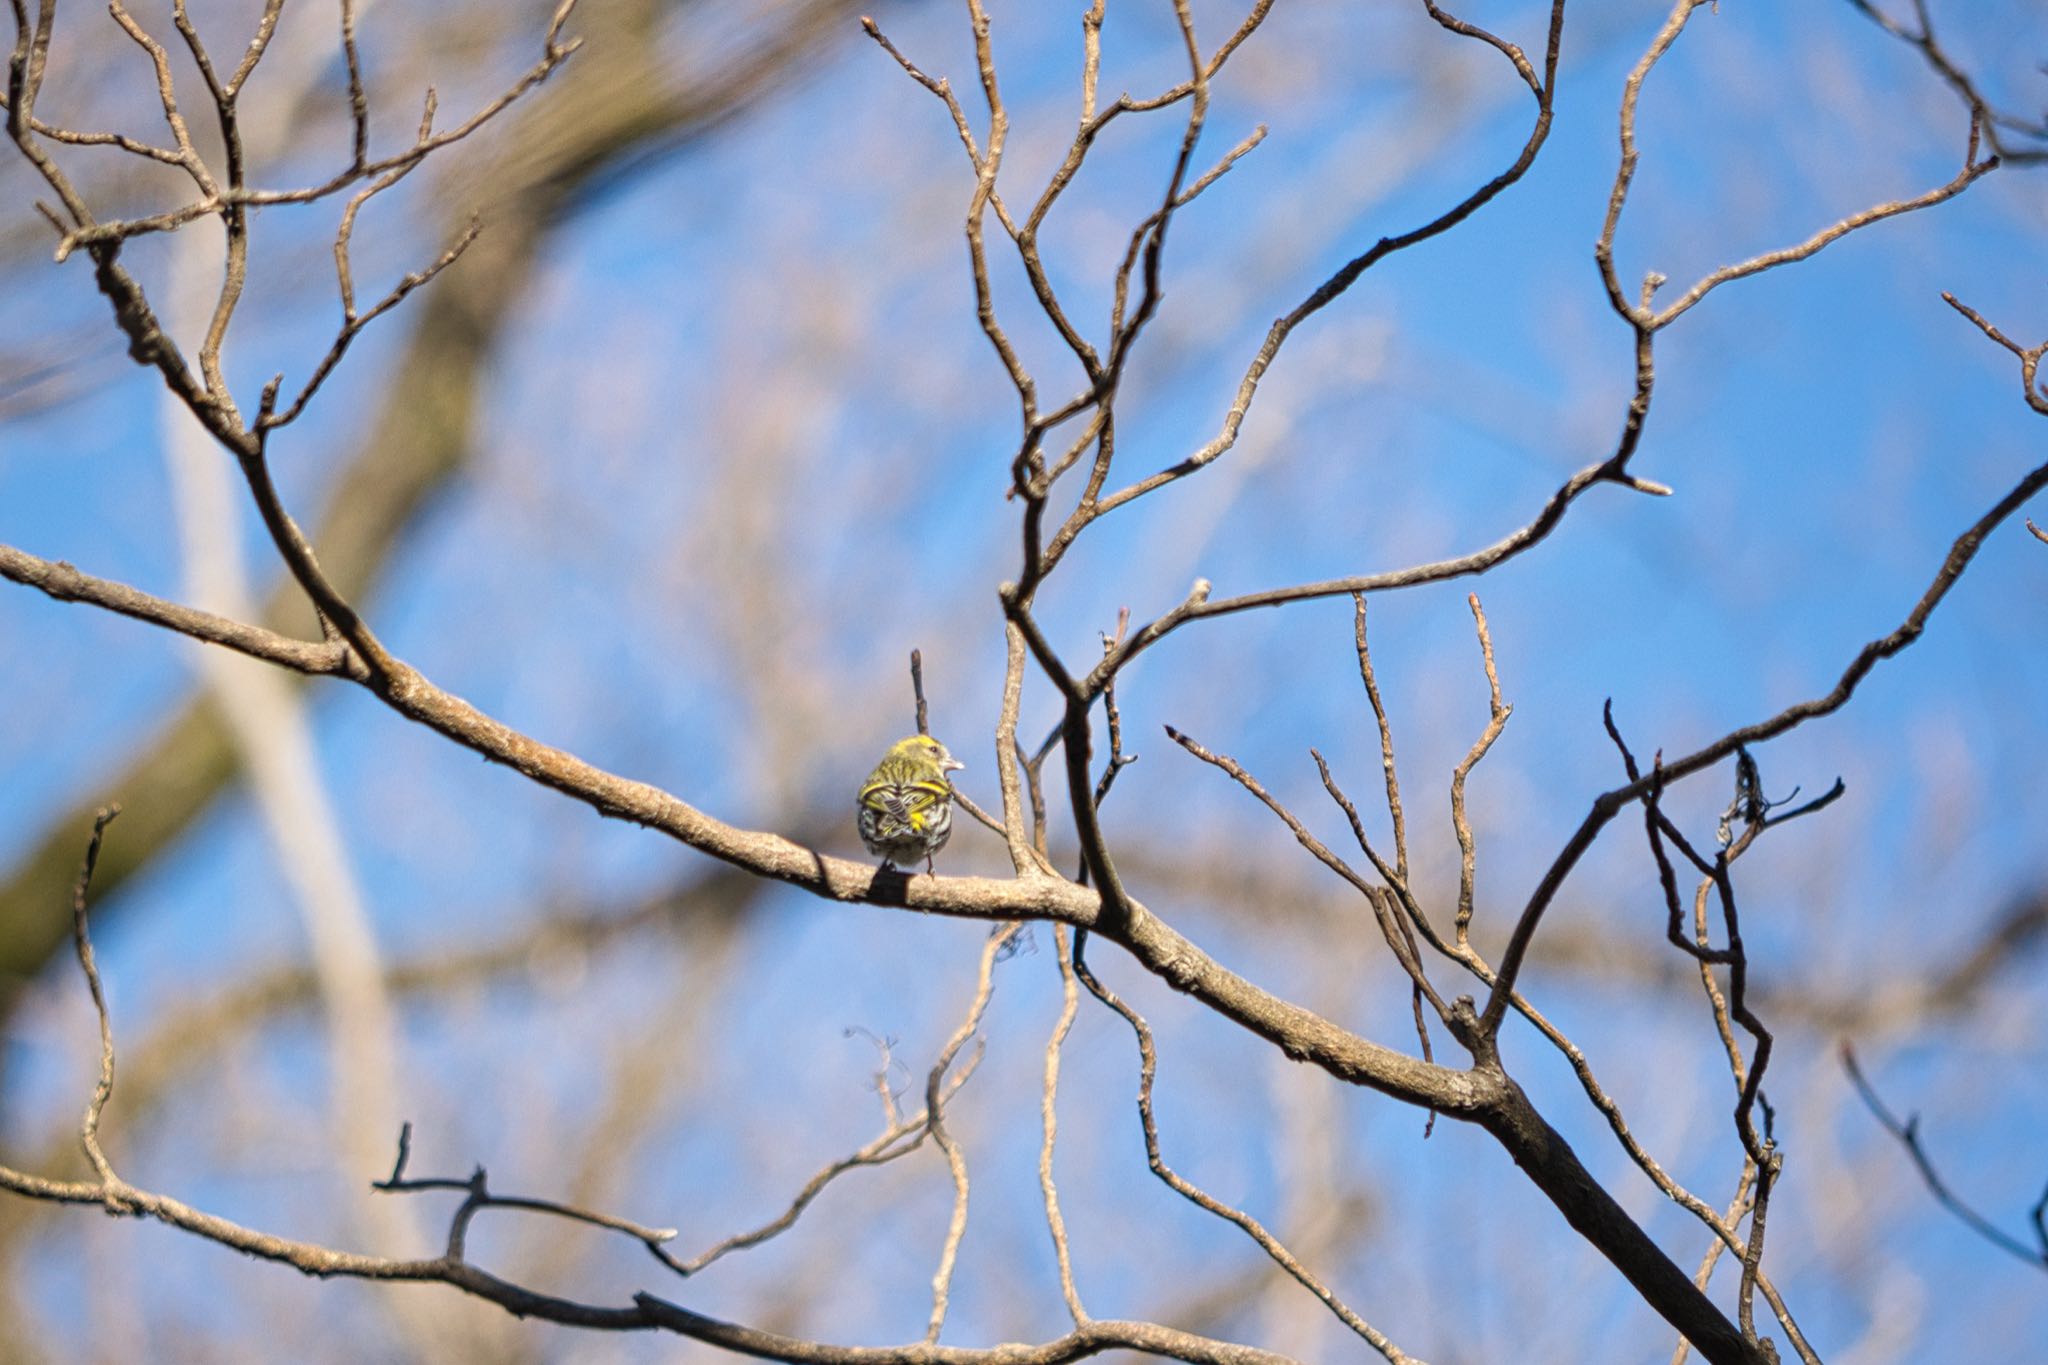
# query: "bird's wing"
901, 800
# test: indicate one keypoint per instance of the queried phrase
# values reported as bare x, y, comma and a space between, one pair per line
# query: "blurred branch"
704, 912
2001, 946
1994, 122
935, 1109
274, 746
1907, 1131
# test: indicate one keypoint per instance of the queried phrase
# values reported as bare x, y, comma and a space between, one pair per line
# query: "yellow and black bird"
906, 805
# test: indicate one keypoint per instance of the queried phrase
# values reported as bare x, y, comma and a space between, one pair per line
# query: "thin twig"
81, 938
1379, 715
478, 1197
1907, 1131
1608, 804
1055, 1224
924, 724
1390, 925
1118, 760
900, 1136
1148, 1066
2029, 358
1994, 121
1496, 720
935, 1109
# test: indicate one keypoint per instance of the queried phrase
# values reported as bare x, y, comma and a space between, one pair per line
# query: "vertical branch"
1738, 1208
103, 1089
1753, 1250
1091, 61
271, 739
960, 798
984, 190
1154, 230
1379, 714
1113, 718
935, 1109
1762, 1161
1625, 171
234, 216
924, 726
1496, 720
1034, 775
358, 102
25, 68
1076, 738
1070, 1000
1716, 1001
1026, 849
1069, 995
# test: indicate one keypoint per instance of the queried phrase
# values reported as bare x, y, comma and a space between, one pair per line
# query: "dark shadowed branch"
1907, 1131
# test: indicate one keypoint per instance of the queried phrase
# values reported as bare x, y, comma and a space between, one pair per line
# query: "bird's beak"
951, 764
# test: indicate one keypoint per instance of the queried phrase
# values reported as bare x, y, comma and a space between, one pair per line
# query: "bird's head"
923, 750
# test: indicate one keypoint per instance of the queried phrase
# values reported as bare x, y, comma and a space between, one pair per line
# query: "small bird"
906, 805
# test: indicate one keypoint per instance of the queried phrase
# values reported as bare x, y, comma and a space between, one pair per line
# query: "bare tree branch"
1148, 1065
1996, 124
1608, 804
1907, 1131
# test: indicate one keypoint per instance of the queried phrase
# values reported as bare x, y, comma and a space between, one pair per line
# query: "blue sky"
764, 349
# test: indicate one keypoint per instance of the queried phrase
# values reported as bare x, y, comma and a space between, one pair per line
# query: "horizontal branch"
1484, 1096
1200, 606
646, 1311
1300, 1032
65, 583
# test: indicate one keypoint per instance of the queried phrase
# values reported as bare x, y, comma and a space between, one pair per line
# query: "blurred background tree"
701, 437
